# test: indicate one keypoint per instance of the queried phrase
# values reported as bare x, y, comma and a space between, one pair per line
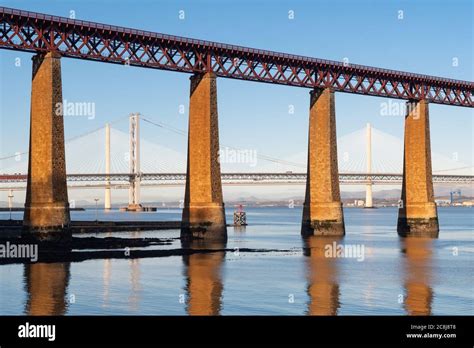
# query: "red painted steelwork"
35, 32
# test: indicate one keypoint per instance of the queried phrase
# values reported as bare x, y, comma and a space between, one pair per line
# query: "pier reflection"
418, 271
135, 291
46, 287
240, 229
204, 285
106, 285
322, 276
106, 278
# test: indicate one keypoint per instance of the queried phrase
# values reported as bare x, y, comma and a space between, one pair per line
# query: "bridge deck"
362, 178
36, 32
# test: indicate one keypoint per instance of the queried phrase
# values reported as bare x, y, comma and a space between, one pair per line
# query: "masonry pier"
417, 215
322, 210
46, 207
203, 213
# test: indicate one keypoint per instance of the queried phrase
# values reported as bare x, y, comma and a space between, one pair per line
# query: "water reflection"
322, 277
136, 289
240, 229
418, 268
204, 285
46, 286
106, 278
135, 294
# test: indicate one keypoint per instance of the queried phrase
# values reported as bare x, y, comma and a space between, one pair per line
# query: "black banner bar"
261, 330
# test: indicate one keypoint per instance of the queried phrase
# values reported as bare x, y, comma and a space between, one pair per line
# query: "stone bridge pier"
46, 208
322, 210
203, 213
417, 215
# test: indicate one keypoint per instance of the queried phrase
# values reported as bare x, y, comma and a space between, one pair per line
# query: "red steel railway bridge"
52, 38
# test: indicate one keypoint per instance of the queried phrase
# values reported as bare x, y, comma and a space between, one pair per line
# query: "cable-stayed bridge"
160, 165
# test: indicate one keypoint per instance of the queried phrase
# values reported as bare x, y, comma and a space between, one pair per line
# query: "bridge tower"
322, 210
134, 190
417, 215
203, 213
10, 201
368, 186
108, 198
46, 207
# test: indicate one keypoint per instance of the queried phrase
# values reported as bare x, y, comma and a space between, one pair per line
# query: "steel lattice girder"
35, 32
354, 178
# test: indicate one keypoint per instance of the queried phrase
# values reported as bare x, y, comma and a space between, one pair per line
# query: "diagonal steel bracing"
35, 32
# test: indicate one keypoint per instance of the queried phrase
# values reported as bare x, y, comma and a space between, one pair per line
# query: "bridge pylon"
134, 163
417, 215
203, 213
46, 207
368, 187
107, 196
322, 210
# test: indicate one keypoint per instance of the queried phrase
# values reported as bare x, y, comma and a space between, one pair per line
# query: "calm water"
396, 277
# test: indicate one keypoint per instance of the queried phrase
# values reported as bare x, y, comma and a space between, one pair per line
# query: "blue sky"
254, 115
